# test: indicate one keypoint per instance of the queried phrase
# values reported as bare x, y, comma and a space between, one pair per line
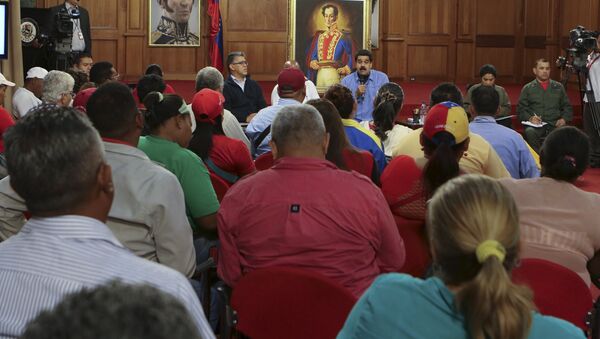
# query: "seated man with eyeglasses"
243, 96
58, 89
102, 72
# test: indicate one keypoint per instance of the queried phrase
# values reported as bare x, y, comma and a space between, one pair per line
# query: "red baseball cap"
290, 79
81, 99
207, 105
447, 117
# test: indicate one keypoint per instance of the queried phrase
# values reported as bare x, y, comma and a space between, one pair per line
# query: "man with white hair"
321, 218
211, 78
58, 88
28, 96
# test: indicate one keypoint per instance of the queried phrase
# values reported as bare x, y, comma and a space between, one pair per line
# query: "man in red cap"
291, 90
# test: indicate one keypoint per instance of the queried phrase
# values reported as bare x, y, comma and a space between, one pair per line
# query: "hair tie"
161, 97
184, 109
571, 160
490, 248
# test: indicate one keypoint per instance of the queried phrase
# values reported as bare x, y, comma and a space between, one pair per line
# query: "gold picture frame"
307, 25
166, 25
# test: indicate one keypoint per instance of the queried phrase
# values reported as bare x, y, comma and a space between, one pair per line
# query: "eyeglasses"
245, 63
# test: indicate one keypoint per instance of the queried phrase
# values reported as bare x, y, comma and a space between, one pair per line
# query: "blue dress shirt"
262, 120
509, 145
365, 102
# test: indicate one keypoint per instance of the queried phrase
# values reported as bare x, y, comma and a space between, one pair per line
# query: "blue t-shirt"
400, 306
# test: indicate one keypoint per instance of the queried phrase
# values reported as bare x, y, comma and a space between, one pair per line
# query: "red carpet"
414, 95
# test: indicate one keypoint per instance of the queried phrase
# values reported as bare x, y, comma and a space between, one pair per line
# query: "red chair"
290, 303
418, 255
264, 161
219, 185
558, 291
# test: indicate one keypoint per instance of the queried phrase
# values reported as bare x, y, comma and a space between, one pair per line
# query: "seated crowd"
109, 207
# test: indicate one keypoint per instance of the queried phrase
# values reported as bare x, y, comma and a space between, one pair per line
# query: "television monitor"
3, 30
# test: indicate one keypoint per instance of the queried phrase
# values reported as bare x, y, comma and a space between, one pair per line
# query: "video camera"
581, 43
64, 29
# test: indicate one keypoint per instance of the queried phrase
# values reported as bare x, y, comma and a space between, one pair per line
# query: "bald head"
291, 64
299, 131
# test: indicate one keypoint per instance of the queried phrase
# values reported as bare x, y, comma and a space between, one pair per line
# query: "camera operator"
79, 38
591, 109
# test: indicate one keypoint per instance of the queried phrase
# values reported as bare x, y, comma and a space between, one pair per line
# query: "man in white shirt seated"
29, 96
66, 246
311, 89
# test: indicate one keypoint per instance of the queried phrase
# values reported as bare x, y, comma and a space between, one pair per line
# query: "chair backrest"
290, 303
219, 185
416, 245
264, 161
558, 291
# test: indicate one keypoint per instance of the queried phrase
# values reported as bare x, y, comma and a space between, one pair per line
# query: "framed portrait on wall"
325, 35
173, 23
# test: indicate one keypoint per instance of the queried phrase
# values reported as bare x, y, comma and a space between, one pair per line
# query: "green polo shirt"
200, 197
550, 104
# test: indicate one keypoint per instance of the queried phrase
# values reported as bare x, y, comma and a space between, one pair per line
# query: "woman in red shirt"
6, 119
226, 157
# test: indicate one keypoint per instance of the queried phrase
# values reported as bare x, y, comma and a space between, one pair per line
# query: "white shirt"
240, 83
24, 100
77, 43
594, 75
311, 93
147, 215
52, 257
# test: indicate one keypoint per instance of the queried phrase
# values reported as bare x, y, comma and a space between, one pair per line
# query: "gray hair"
57, 83
298, 126
53, 155
209, 77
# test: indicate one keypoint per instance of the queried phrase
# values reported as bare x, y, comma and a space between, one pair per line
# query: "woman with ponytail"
388, 104
168, 120
473, 226
226, 157
408, 182
560, 221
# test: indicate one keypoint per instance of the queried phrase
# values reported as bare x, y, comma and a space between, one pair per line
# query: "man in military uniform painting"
330, 52
173, 27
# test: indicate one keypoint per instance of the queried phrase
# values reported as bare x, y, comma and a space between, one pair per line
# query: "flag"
215, 48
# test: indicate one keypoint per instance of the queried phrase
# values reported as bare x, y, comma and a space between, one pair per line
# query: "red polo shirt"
6, 121
231, 155
306, 213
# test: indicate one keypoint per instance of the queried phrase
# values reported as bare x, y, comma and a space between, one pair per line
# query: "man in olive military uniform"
488, 78
173, 28
543, 101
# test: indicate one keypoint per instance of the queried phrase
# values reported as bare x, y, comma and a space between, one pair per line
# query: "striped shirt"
52, 257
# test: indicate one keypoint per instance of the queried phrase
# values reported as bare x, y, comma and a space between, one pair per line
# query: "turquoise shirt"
400, 306
200, 197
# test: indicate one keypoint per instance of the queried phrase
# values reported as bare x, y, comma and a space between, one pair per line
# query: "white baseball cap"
36, 72
3, 81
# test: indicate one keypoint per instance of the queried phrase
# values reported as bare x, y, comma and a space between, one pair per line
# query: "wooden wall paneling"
539, 30
136, 40
394, 27
465, 41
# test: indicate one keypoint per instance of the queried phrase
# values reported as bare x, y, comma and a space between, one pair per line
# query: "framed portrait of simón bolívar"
325, 35
174, 23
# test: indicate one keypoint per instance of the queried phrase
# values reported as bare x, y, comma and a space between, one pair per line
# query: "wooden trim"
535, 41
502, 41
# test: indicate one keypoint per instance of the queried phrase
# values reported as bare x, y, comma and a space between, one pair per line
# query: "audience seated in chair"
407, 183
481, 157
304, 212
357, 135
226, 157
387, 105
66, 246
473, 228
148, 212
560, 221
115, 310
211, 78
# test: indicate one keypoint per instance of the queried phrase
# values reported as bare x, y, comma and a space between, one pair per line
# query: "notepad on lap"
531, 124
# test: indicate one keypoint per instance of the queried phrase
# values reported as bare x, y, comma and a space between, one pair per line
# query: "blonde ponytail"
473, 227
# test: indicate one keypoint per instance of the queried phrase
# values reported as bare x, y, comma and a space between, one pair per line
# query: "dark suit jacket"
241, 103
84, 22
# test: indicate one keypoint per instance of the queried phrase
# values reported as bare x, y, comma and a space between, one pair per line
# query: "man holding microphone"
364, 84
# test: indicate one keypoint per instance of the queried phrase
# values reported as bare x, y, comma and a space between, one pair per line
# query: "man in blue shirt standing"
364, 84
509, 145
